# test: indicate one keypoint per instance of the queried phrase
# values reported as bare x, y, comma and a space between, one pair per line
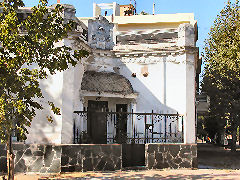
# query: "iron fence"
132, 128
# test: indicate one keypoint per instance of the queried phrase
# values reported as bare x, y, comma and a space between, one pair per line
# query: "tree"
221, 78
28, 54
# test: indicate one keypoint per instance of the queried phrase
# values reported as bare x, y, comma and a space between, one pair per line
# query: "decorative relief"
100, 33
149, 60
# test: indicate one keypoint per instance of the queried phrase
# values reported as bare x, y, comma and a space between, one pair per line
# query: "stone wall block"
171, 156
18, 147
109, 166
64, 158
55, 166
37, 153
36, 165
186, 35
175, 150
43, 170
48, 156
100, 166
20, 166
58, 151
28, 152
87, 164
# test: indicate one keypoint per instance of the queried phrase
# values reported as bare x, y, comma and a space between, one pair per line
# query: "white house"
137, 63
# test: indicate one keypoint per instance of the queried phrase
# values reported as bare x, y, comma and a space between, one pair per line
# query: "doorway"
97, 121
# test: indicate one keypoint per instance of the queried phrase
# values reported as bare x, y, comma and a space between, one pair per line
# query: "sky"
205, 11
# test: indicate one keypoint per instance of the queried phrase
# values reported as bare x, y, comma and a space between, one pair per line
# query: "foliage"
222, 68
28, 55
144, 13
201, 132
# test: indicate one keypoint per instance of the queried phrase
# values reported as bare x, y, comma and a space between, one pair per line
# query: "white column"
96, 10
189, 123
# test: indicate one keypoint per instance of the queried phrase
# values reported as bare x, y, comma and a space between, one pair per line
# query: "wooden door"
97, 121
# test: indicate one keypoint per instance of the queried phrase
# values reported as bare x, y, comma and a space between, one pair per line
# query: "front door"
97, 121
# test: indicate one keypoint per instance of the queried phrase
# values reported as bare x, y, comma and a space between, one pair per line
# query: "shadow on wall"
42, 131
152, 88
151, 91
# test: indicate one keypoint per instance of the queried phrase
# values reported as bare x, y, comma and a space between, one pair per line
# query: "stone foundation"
174, 156
98, 157
34, 158
63, 158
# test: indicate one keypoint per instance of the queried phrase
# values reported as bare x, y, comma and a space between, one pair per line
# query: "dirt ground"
214, 163
214, 157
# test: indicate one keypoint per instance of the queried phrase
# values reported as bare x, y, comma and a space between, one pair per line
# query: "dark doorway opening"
121, 125
97, 121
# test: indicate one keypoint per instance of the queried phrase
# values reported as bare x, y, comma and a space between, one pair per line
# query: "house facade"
139, 63
141, 69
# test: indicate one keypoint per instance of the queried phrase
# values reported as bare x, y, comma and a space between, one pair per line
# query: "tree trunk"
10, 158
239, 135
234, 137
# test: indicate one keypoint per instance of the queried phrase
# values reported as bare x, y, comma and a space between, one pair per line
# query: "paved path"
216, 157
148, 175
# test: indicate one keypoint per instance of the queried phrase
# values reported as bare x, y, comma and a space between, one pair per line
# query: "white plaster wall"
41, 130
163, 90
169, 88
72, 79
62, 89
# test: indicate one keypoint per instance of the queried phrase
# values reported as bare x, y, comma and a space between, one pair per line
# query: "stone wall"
33, 158
104, 157
98, 157
63, 158
174, 156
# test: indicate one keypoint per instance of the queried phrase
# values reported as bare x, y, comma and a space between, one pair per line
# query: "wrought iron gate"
142, 128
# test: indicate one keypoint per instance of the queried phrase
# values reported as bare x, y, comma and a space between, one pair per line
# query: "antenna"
135, 3
153, 7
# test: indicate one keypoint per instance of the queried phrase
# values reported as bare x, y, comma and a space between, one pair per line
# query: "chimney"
58, 1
